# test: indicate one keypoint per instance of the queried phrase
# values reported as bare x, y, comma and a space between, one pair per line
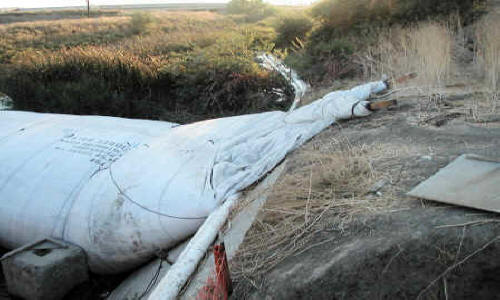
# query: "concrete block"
44, 270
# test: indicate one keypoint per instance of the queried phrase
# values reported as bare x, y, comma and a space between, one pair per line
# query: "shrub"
302, 63
349, 12
337, 47
292, 28
217, 81
363, 19
348, 27
253, 10
190, 67
244, 6
90, 80
141, 22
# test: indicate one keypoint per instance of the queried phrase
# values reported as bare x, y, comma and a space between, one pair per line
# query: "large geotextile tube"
122, 189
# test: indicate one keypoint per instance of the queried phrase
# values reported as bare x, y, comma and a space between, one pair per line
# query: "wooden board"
470, 181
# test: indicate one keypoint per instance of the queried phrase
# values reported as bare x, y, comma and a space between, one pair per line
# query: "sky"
63, 3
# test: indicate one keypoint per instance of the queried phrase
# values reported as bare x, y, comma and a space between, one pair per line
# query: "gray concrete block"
45, 270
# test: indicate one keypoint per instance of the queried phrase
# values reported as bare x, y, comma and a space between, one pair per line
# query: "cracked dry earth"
414, 249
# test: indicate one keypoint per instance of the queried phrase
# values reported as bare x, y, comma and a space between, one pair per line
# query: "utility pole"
88, 8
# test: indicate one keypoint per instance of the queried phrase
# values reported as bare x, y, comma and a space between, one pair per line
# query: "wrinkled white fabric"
122, 189
300, 87
5, 102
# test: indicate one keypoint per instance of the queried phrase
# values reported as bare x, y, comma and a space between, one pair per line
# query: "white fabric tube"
122, 189
300, 87
336, 105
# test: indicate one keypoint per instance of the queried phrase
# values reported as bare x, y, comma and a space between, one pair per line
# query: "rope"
153, 281
146, 208
353, 107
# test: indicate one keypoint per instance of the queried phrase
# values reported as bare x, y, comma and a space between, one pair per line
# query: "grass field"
173, 63
180, 66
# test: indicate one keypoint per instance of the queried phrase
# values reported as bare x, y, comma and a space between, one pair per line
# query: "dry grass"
154, 64
425, 49
433, 50
430, 49
55, 34
168, 28
321, 190
12, 16
488, 57
432, 44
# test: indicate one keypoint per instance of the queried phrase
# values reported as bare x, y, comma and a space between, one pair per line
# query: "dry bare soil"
381, 245
339, 223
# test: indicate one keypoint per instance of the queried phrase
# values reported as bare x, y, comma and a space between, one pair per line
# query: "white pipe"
170, 285
300, 87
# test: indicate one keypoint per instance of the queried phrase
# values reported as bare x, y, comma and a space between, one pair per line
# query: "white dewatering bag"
122, 189
300, 87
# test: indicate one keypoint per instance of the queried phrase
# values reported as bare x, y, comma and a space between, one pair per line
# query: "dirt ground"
403, 251
399, 255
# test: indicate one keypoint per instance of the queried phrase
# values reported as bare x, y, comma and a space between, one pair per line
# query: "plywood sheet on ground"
470, 181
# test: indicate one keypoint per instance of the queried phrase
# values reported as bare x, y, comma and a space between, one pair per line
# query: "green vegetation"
19, 38
189, 66
292, 30
344, 28
251, 10
141, 22
350, 12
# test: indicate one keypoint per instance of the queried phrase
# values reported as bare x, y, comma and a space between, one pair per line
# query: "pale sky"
63, 3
